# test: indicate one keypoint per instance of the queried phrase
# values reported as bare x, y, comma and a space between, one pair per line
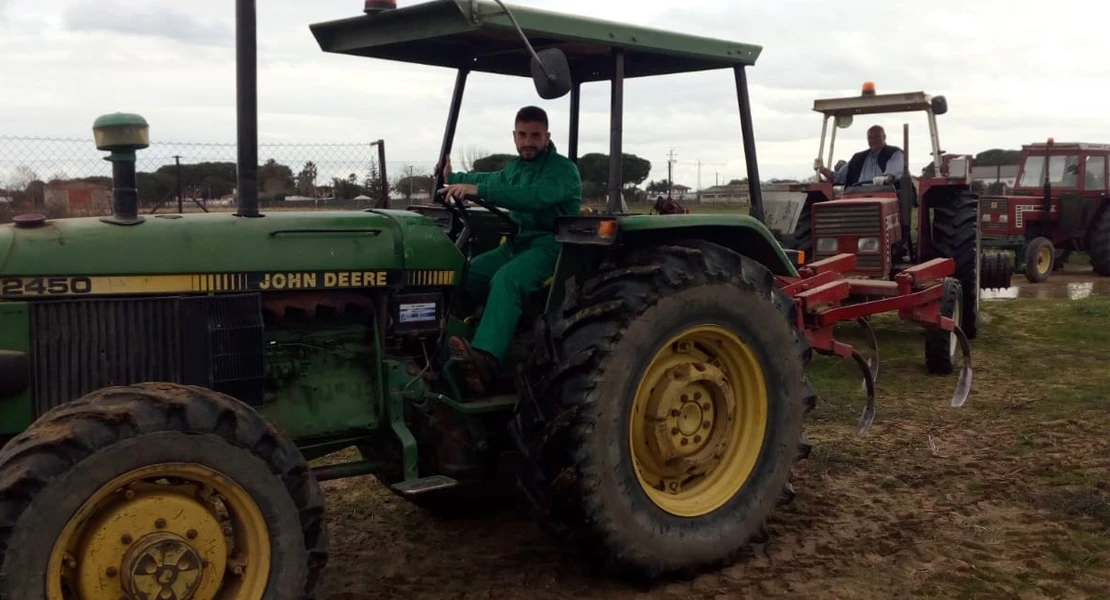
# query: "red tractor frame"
1059, 205
866, 260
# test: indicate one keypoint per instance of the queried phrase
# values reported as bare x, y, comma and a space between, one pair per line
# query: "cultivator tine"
868, 415
963, 386
873, 361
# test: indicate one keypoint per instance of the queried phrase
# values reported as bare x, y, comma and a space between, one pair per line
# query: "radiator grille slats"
85, 345
848, 220
80, 346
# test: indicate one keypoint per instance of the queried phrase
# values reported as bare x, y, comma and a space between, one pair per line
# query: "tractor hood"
222, 252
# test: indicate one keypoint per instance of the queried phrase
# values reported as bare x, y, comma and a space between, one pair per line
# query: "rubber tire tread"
1098, 247
937, 343
70, 433
955, 227
570, 349
1031, 251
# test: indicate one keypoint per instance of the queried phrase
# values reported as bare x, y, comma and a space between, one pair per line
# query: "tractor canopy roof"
868, 102
1060, 147
479, 35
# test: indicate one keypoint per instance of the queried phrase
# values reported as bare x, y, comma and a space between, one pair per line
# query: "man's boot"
481, 366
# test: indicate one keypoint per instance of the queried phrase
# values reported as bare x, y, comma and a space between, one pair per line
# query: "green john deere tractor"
166, 379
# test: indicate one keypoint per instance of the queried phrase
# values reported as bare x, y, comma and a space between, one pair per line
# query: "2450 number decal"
44, 286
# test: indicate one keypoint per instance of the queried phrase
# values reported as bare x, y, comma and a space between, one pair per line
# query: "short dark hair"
532, 114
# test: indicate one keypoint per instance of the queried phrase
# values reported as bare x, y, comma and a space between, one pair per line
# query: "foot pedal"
425, 485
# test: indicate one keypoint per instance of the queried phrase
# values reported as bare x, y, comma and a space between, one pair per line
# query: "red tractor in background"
876, 222
1058, 206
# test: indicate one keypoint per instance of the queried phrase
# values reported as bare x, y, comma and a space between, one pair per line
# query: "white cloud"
1008, 78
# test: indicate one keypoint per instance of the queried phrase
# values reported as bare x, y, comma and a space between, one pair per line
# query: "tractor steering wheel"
460, 208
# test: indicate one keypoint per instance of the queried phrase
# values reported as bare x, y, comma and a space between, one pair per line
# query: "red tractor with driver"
1058, 205
875, 220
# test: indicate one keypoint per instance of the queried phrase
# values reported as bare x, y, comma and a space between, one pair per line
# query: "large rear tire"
136, 490
956, 236
1098, 246
669, 412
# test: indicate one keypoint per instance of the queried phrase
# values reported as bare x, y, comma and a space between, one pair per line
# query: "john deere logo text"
341, 279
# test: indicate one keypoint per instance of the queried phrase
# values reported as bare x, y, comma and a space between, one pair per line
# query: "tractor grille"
869, 261
848, 220
79, 346
856, 221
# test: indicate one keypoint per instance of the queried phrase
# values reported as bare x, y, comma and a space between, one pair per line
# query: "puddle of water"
1051, 289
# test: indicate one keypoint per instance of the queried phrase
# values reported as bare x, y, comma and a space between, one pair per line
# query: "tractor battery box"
416, 313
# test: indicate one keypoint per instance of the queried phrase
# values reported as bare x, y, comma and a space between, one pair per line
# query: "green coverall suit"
534, 192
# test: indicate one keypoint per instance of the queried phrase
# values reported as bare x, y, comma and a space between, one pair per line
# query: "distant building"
725, 194
77, 198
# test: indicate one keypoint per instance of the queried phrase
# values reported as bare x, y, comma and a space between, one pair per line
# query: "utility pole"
180, 204
670, 173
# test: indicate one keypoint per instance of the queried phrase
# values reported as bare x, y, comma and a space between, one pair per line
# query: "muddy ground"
1007, 497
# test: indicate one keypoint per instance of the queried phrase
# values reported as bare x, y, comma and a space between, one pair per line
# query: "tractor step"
424, 485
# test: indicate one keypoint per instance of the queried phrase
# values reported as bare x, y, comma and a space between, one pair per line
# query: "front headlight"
868, 244
827, 245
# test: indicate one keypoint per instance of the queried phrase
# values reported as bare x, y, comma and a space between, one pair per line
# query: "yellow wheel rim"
698, 421
173, 531
1044, 260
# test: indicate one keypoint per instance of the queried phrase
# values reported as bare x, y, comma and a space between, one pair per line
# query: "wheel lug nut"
160, 523
697, 438
685, 441
191, 534
706, 406
111, 572
126, 538
697, 395
674, 412
674, 430
685, 398
705, 425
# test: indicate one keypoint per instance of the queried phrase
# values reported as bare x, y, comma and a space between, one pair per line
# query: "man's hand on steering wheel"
459, 191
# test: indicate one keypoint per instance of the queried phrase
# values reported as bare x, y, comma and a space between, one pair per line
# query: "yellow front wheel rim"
1044, 260
173, 531
699, 417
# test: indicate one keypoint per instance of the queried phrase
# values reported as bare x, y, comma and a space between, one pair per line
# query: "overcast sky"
1008, 78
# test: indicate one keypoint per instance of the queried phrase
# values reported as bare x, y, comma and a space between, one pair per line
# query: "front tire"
942, 347
666, 428
956, 236
135, 490
1040, 258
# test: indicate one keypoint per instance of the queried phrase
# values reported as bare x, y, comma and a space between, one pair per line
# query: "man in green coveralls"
535, 188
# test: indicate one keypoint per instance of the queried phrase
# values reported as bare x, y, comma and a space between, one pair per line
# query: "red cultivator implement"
926, 293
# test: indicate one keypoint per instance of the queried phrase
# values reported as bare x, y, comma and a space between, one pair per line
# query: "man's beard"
537, 152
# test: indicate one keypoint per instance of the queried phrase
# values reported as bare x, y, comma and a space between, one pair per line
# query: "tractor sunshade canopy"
478, 35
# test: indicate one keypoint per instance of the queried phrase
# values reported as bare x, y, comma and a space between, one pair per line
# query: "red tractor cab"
1058, 206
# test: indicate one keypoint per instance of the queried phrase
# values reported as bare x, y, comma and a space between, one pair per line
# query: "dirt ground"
1006, 497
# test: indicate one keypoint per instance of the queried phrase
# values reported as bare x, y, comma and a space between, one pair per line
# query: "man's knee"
504, 281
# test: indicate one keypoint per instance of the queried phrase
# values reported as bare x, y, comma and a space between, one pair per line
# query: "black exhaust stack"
905, 195
122, 134
246, 80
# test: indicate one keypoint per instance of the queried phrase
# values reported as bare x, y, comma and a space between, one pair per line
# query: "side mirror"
939, 105
551, 73
844, 121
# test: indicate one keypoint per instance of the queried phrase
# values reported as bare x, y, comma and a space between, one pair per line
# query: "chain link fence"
69, 176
